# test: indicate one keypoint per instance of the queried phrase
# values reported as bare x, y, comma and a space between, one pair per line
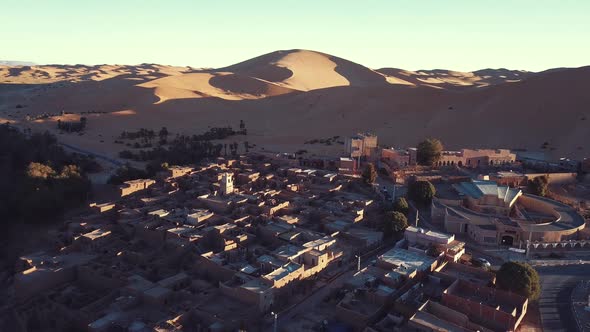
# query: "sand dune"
78, 73
455, 80
289, 97
307, 70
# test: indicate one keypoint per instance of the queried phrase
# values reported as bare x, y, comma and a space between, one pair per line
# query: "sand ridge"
289, 97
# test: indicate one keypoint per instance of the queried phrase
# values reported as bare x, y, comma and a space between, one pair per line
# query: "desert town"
318, 166
267, 241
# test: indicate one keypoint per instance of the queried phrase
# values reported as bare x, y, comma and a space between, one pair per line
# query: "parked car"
481, 262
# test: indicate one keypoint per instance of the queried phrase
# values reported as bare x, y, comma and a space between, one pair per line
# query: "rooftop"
96, 234
283, 271
255, 285
478, 188
407, 261
429, 233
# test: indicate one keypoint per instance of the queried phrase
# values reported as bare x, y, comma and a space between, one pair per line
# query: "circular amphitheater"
492, 214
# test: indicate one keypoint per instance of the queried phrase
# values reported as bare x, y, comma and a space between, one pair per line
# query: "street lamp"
358, 262
275, 315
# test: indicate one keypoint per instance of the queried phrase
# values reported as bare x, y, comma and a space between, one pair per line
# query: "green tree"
369, 174
538, 186
394, 222
39, 171
421, 191
429, 152
32, 190
520, 278
401, 205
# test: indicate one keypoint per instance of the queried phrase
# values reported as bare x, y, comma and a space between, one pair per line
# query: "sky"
410, 34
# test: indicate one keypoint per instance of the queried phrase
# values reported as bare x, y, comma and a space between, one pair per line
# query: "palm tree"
163, 133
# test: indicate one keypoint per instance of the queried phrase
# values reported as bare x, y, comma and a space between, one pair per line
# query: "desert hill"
305, 70
448, 79
290, 97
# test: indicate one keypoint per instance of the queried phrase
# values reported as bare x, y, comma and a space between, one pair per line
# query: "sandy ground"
289, 97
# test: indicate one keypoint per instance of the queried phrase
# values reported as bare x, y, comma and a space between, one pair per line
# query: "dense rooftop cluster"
211, 246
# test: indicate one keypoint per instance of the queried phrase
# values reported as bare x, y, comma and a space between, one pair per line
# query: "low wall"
555, 178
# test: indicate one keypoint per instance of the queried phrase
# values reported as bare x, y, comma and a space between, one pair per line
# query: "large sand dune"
448, 79
307, 70
289, 97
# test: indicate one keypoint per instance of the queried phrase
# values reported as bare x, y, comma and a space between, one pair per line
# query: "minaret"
227, 184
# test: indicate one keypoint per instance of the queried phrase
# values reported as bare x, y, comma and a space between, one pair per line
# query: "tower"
227, 184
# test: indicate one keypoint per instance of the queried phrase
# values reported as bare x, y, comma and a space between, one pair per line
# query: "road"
94, 154
557, 283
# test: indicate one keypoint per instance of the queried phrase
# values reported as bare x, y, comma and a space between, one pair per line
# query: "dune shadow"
357, 75
263, 67
16, 71
242, 84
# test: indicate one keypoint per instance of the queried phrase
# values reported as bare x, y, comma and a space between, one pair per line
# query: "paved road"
557, 283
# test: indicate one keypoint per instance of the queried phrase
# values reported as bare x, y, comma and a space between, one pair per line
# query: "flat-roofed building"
361, 145
173, 172
405, 262
284, 275
94, 239
129, 187
346, 165
446, 243
250, 290
396, 158
197, 216
42, 272
176, 282
433, 316
103, 207
473, 158
363, 305
490, 307
423, 236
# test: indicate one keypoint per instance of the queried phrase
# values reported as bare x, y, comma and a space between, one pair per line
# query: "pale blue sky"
411, 34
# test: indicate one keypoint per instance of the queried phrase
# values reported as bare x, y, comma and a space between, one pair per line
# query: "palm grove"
39, 180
